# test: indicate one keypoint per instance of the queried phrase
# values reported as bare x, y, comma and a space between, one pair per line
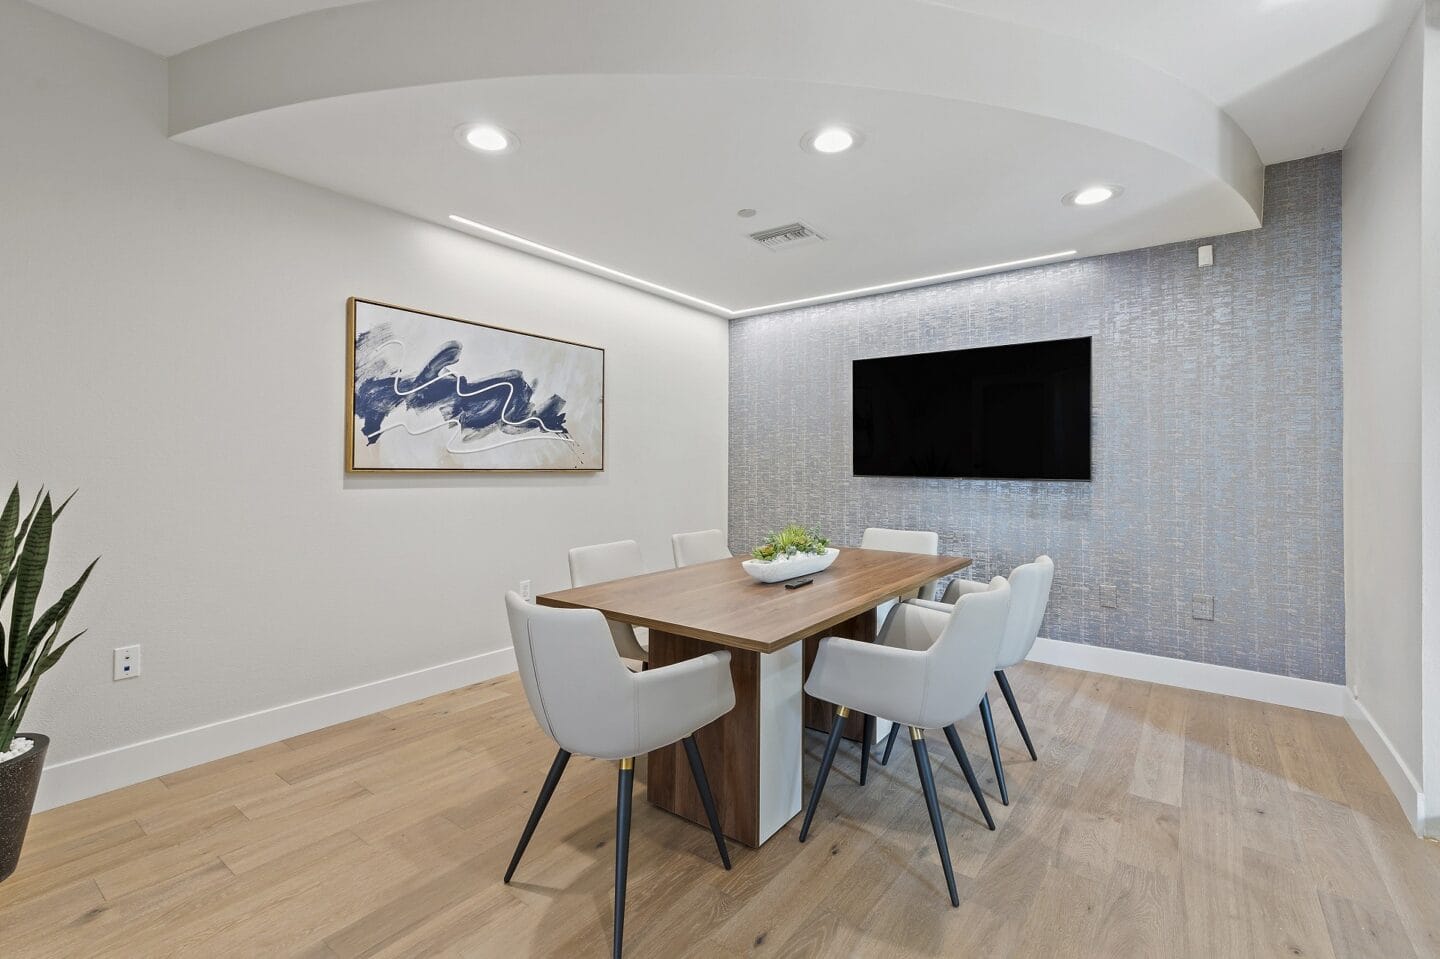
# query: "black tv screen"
999, 412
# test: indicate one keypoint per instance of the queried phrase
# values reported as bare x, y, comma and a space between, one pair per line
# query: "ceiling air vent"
787, 237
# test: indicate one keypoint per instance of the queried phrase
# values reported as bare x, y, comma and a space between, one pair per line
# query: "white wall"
1381, 333
1430, 412
172, 342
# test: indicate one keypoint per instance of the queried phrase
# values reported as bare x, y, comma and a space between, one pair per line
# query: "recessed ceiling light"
1091, 195
486, 138
831, 139
747, 212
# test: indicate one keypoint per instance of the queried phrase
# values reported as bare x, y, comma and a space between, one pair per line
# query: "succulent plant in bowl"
794, 551
790, 541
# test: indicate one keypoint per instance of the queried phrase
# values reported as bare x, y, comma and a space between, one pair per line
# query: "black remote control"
797, 585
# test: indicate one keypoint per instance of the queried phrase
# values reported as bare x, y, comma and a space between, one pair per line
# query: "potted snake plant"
29, 646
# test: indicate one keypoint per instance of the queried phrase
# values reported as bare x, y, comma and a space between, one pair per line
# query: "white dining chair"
928, 671
705, 546
585, 700
894, 541
1029, 596
904, 541
602, 563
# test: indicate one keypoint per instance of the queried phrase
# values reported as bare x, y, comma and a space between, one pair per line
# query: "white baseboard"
1205, 677
86, 776
1397, 773
74, 779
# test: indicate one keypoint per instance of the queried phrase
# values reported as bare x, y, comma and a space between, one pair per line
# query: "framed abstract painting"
431, 393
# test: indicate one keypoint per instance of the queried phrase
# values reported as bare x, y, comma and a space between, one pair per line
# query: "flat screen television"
998, 412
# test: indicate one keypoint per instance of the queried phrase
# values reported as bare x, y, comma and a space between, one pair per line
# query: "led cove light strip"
589, 264
915, 281
732, 314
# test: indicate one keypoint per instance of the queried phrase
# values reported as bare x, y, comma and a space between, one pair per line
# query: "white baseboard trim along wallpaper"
87, 776
1205, 677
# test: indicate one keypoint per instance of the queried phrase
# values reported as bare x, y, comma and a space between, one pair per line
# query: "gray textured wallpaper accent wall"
1216, 448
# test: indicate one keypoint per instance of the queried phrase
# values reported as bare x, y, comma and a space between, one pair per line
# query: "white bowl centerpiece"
794, 551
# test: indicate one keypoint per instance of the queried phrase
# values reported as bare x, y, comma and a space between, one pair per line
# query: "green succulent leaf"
9, 520
52, 621
52, 657
61, 508
30, 573
791, 540
29, 645
29, 517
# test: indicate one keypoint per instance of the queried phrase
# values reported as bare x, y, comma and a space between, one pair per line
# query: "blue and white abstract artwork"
436, 393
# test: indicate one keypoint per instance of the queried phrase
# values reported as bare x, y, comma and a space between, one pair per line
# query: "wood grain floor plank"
1158, 772
1361, 933
1139, 911
1157, 822
1284, 908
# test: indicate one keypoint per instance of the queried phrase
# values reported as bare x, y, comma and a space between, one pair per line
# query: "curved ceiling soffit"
907, 47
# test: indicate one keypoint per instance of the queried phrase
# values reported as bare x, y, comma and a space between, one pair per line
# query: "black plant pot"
19, 778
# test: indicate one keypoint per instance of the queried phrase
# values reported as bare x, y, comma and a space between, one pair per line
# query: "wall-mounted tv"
997, 412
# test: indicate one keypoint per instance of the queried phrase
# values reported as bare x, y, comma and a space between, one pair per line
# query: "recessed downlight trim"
732, 314
487, 139
1092, 195
827, 140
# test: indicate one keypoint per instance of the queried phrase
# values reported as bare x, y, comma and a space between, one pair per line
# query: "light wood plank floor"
1158, 822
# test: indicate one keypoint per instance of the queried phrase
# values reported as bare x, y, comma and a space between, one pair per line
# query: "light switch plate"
1109, 597
1202, 606
1206, 255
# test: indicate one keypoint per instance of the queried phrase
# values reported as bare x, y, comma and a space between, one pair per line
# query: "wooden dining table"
753, 753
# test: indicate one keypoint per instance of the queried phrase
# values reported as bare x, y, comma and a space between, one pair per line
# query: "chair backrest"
580, 692
702, 547
905, 541
607, 561
1029, 595
964, 658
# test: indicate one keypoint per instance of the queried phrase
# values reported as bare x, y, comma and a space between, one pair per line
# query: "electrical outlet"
1202, 606
1109, 597
1205, 255
526, 593
127, 662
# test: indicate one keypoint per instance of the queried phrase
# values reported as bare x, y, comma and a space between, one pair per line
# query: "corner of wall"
1397, 773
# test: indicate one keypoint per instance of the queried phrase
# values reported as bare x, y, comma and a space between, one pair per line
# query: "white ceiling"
938, 185
1295, 74
644, 127
168, 27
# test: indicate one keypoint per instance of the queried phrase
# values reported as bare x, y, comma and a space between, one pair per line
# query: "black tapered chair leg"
890, 743
867, 740
964, 760
541, 801
927, 783
697, 769
989, 722
830, 745
622, 848
1015, 711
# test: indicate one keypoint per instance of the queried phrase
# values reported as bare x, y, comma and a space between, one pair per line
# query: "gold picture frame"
582, 448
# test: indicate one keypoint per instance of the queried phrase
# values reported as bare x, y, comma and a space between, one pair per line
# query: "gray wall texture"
1216, 436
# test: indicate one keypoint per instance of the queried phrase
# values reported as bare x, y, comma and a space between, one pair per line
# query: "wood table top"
720, 603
